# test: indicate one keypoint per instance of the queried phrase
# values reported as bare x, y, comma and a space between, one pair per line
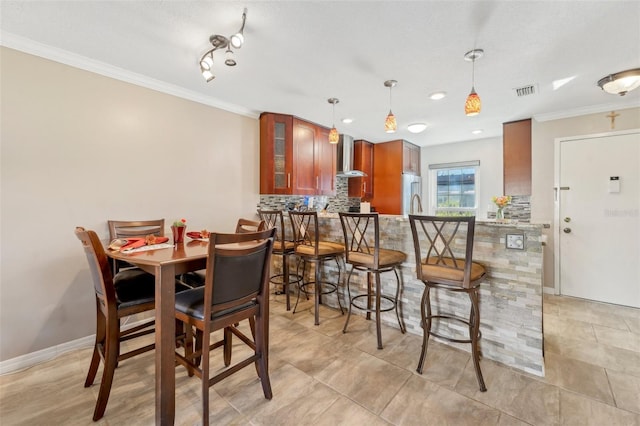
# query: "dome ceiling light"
621, 82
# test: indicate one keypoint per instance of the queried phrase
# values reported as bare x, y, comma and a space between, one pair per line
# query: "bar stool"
311, 250
363, 252
281, 247
444, 260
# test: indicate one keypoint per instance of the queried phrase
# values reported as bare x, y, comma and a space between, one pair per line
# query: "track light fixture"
221, 42
334, 136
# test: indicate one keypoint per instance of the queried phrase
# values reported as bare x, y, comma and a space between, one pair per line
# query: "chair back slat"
135, 228
446, 242
248, 225
274, 219
305, 228
361, 235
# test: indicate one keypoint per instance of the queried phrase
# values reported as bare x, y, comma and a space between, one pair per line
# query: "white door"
599, 216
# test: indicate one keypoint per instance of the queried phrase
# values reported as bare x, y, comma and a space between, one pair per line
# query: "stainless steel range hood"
345, 158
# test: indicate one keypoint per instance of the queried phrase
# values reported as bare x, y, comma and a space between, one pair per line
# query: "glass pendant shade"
473, 105
334, 136
390, 124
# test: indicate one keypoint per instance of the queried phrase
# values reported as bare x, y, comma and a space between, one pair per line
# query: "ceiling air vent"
531, 89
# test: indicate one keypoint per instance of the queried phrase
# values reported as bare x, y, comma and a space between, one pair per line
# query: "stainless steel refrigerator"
411, 184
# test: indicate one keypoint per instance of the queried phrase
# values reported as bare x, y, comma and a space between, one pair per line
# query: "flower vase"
178, 234
500, 214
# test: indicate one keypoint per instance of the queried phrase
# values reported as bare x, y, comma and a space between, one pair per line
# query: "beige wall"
544, 135
78, 148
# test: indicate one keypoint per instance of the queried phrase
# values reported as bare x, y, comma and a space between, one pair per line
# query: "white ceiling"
297, 54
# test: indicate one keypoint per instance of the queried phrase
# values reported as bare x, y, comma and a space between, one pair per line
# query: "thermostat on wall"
515, 241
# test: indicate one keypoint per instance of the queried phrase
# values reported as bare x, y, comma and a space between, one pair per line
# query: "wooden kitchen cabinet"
362, 187
296, 157
516, 153
392, 160
276, 153
410, 158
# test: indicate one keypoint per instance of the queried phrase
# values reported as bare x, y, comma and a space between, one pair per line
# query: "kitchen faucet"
413, 197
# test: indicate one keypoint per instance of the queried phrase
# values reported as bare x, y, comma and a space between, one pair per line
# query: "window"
454, 186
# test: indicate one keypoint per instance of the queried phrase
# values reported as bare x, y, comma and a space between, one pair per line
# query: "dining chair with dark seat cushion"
129, 292
236, 288
363, 252
444, 260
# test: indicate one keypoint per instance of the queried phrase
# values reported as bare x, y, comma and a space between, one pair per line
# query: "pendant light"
334, 136
473, 105
390, 124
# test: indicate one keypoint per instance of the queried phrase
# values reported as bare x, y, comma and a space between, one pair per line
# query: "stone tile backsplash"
520, 209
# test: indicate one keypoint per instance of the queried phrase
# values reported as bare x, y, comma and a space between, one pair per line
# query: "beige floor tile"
557, 326
626, 390
346, 412
520, 396
311, 352
421, 402
633, 324
364, 378
612, 358
619, 338
577, 410
578, 376
507, 420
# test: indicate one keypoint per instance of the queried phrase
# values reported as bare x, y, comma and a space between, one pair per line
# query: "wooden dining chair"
236, 288
131, 291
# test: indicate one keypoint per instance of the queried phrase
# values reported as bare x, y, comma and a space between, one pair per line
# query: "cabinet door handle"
288, 180
317, 182
364, 187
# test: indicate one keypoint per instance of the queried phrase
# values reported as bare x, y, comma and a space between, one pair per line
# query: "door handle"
567, 230
288, 180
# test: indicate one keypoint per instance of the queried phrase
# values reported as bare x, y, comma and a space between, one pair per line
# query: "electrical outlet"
515, 241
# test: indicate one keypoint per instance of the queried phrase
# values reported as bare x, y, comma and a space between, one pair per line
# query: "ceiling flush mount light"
621, 82
417, 127
473, 105
221, 42
347, 120
436, 96
333, 134
390, 124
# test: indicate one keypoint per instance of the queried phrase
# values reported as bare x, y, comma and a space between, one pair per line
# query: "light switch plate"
515, 241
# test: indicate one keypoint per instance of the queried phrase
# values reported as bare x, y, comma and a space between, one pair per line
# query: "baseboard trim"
33, 358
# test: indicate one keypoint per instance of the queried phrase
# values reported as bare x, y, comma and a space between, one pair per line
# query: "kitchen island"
510, 296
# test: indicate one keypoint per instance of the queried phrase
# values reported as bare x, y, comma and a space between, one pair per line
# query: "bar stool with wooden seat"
444, 260
281, 247
363, 253
312, 250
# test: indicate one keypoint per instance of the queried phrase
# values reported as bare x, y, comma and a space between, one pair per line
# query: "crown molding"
594, 109
77, 61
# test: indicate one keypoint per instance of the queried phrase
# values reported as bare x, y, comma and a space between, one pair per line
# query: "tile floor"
321, 376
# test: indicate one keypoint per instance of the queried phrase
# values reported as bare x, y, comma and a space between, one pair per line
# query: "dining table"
165, 264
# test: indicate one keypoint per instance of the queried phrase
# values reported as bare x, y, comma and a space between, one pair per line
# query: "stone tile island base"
510, 296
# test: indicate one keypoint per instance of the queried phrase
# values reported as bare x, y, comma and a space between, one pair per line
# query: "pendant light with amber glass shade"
390, 124
334, 136
473, 105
